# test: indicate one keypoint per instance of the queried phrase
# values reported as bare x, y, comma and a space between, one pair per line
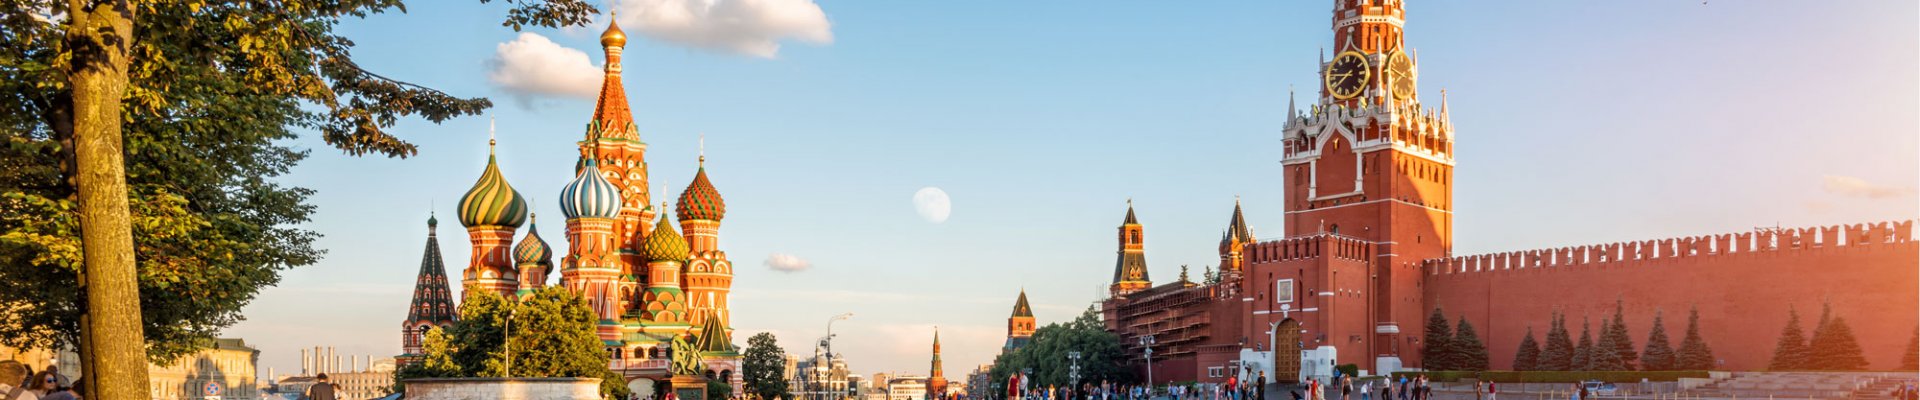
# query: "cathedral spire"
1130, 267
611, 117
433, 305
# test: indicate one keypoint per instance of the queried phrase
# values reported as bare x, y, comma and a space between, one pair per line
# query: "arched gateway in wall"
1286, 351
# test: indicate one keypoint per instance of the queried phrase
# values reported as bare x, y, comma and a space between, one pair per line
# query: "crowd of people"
18, 381
1232, 389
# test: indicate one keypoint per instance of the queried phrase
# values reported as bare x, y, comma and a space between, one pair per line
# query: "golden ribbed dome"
613, 37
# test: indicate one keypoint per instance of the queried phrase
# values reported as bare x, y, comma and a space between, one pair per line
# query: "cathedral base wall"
1743, 293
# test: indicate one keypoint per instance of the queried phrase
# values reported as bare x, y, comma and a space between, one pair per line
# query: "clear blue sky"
1577, 122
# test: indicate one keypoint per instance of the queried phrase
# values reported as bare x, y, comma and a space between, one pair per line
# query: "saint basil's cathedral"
647, 281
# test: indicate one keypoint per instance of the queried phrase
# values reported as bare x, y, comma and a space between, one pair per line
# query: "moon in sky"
932, 204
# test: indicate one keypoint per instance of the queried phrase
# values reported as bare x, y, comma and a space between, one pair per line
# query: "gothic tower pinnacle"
433, 305
1130, 267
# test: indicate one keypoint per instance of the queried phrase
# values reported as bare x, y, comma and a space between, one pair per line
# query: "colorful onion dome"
701, 200
492, 202
590, 195
665, 244
613, 37
533, 249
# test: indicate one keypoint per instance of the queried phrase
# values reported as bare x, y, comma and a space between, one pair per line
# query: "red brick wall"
1871, 275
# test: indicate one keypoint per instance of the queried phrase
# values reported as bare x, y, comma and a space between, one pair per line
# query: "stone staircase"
1803, 385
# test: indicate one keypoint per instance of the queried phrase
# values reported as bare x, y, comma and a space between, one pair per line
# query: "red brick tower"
1368, 172
936, 379
614, 142
1020, 325
1232, 259
1130, 266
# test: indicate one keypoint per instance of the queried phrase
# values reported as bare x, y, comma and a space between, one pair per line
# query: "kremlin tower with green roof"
646, 281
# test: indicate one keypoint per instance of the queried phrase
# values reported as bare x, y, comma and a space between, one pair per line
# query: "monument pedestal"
689, 387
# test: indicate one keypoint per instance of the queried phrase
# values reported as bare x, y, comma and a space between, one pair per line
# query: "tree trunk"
100, 35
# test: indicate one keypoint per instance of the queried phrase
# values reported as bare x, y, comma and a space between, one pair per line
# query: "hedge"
1555, 376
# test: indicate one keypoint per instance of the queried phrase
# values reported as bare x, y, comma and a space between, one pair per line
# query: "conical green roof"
713, 335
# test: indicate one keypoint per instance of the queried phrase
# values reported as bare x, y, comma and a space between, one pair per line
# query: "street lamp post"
1147, 343
829, 342
1073, 377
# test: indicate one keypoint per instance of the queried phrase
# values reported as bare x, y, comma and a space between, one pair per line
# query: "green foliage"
1622, 340
214, 92
1505, 377
1583, 353
1834, 348
1438, 351
1910, 360
552, 335
1694, 353
764, 367
719, 390
1558, 353
1659, 352
1101, 357
1527, 358
1348, 369
1469, 354
1791, 352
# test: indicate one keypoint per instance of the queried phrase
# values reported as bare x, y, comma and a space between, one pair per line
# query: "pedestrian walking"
323, 389
1479, 392
1346, 387
1366, 390
1260, 386
1491, 391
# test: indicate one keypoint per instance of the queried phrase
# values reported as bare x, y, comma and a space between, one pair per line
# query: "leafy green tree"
1659, 353
160, 121
1694, 353
1101, 356
1438, 355
764, 367
480, 335
1910, 360
717, 390
1527, 358
1791, 352
1469, 353
1622, 340
553, 335
1583, 353
436, 361
1558, 353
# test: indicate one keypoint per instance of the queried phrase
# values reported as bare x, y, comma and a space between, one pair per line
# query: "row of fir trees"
1832, 347
1461, 349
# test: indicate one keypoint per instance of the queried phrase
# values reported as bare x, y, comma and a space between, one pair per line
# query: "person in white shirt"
12, 374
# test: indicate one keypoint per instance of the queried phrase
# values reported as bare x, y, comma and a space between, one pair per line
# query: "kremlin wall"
1742, 283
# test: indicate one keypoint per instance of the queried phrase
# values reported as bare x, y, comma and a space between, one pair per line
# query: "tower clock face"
1400, 75
1347, 75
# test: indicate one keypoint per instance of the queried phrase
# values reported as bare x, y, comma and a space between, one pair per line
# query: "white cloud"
787, 262
532, 65
1856, 187
750, 27
932, 204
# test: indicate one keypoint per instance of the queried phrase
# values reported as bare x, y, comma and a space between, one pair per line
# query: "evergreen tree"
1835, 348
1694, 353
1438, 353
1583, 353
1659, 354
763, 367
1604, 357
1911, 359
1622, 340
1528, 357
1469, 353
1558, 353
1791, 352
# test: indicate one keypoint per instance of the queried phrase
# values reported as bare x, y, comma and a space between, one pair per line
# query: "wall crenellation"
1758, 241
1310, 246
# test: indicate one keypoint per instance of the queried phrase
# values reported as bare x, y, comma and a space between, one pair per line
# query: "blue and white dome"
590, 195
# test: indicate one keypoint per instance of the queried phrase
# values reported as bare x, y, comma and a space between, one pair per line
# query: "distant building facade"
226, 369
